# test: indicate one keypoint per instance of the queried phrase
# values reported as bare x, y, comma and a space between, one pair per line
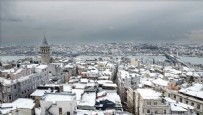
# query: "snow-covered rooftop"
178, 106
68, 66
8, 71
160, 82
109, 85
147, 82
88, 99
20, 103
104, 81
149, 94
67, 88
23, 78
24, 103
18, 71
79, 85
58, 97
195, 90
32, 65
78, 93
190, 73
41, 67
84, 80
39, 92
114, 97
7, 81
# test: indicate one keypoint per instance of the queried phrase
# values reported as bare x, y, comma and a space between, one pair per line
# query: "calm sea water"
193, 60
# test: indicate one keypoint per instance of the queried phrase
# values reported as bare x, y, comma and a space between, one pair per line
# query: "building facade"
58, 104
196, 102
24, 85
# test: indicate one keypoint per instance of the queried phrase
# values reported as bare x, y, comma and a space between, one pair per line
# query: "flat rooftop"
88, 99
149, 94
41, 66
58, 97
39, 92
195, 90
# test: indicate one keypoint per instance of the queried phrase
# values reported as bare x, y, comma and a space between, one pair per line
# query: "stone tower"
45, 52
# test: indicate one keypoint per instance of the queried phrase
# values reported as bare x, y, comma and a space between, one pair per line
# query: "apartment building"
192, 95
149, 101
22, 84
58, 104
125, 80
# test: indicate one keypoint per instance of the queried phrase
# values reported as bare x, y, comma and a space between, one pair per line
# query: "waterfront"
192, 60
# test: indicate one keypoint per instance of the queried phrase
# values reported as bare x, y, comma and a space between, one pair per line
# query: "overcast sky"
105, 21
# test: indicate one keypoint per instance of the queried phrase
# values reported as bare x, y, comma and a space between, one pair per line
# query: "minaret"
45, 52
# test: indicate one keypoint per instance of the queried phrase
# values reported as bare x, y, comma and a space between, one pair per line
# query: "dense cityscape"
101, 57
105, 79
118, 49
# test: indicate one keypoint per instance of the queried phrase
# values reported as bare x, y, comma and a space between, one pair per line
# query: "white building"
178, 107
125, 80
22, 86
21, 106
149, 101
58, 103
160, 84
87, 101
192, 95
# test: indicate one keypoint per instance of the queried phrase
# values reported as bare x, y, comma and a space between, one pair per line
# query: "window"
9, 97
156, 111
8, 87
164, 111
155, 103
192, 104
174, 96
60, 110
198, 106
168, 95
148, 103
186, 102
14, 86
181, 99
148, 111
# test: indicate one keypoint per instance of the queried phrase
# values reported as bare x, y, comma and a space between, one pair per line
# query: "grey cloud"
11, 19
102, 21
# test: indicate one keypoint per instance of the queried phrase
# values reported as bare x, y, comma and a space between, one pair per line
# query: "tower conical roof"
45, 43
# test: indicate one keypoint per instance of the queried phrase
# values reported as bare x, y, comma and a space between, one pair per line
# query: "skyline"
26, 22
